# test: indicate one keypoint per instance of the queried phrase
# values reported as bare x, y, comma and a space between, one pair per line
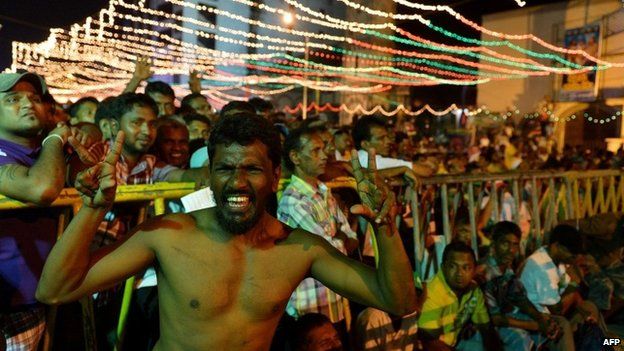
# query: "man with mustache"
226, 273
519, 323
452, 300
308, 203
31, 170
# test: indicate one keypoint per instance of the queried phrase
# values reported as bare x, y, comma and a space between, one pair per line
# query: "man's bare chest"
214, 279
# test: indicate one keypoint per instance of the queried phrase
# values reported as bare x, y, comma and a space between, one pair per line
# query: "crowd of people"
281, 262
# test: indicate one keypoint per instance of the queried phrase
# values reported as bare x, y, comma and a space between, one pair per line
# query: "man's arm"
390, 287
142, 71
43, 182
70, 271
194, 81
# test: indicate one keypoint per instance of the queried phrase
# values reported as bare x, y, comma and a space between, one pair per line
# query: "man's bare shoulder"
304, 238
163, 226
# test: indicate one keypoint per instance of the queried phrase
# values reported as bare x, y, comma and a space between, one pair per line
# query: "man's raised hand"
195, 81
97, 184
378, 202
142, 69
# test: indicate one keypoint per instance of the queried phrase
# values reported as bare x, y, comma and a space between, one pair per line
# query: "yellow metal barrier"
547, 197
125, 193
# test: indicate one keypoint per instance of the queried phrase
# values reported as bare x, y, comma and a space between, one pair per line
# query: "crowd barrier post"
472, 218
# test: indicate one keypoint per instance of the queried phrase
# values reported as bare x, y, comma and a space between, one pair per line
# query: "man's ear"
277, 174
114, 125
294, 157
365, 144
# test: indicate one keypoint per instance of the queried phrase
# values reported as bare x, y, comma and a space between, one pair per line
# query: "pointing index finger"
115, 151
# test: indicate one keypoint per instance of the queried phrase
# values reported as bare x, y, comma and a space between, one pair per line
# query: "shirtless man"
225, 274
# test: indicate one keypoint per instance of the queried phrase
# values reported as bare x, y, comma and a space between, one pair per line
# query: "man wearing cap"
31, 170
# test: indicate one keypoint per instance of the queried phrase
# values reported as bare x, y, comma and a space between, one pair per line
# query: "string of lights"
359, 109
96, 56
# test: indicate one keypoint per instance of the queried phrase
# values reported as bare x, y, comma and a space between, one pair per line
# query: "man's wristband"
53, 136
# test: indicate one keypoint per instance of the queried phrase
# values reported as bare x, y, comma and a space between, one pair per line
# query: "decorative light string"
97, 55
359, 109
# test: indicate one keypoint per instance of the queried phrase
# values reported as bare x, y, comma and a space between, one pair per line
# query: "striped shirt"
443, 311
116, 224
543, 280
314, 210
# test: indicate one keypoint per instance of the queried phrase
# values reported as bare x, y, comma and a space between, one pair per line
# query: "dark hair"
188, 118
303, 326
400, 136
568, 237
294, 141
126, 102
159, 87
236, 106
260, 105
362, 129
503, 228
73, 109
47, 98
185, 103
342, 130
457, 246
167, 122
104, 110
243, 129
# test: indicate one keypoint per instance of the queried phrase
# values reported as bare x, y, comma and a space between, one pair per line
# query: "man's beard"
235, 226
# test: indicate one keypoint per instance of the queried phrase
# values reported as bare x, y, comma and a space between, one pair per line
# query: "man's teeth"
238, 201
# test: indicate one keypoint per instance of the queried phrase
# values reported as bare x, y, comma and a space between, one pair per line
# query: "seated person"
379, 331
551, 278
315, 332
605, 278
451, 300
520, 325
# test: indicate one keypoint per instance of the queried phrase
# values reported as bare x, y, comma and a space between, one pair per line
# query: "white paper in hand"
198, 200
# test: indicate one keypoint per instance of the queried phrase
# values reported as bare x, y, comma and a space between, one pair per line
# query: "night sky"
30, 21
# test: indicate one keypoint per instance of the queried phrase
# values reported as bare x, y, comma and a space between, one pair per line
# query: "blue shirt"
26, 238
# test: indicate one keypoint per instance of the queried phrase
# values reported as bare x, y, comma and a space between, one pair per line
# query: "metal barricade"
125, 193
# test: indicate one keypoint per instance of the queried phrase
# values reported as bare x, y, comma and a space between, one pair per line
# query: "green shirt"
442, 310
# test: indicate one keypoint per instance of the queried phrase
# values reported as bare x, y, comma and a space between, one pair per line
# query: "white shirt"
199, 158
543, 280
382, 162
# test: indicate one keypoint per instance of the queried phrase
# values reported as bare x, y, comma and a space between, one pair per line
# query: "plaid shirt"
443, 310
316, 211
28, 318
115, 225
502, 290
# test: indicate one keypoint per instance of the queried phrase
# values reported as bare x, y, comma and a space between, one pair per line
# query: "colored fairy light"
96, 56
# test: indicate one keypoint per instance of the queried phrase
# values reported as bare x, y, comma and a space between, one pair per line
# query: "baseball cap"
8, 81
